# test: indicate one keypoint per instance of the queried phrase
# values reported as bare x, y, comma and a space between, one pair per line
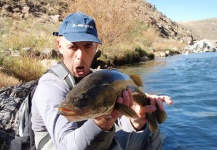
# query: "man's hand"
106, 122
142, 110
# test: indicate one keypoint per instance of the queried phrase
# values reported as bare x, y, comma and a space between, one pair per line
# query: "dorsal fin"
137, 79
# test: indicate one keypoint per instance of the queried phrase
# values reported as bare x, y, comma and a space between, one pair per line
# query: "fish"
96, 95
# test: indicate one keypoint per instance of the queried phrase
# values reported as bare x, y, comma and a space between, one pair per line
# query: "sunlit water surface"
191, 81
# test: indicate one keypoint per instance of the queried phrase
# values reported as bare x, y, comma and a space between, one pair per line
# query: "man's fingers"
120, 100
126, 98
115, 114
167, 99
153, 100
159, 101
130, 97
144, 109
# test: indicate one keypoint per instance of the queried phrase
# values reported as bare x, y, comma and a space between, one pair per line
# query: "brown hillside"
136, 29
202, 29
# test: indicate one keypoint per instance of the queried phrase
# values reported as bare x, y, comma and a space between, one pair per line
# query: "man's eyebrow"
88, 43
77, 44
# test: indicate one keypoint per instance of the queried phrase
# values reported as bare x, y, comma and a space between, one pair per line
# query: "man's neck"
79, 79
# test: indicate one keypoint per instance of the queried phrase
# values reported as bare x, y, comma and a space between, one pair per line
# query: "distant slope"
202, 29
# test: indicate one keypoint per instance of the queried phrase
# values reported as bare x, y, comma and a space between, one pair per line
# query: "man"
77, 42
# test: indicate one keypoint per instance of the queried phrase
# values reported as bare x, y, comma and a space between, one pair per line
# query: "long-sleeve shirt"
50, 92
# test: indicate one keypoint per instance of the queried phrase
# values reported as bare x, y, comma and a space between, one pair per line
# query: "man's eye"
88, 46
72, 47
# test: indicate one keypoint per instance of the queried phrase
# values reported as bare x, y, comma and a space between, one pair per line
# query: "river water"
191, 81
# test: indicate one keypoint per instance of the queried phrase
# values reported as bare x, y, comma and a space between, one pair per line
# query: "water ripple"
191, 82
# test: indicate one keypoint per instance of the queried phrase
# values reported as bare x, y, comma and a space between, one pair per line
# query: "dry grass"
124, 37
17, 34
112, 18
119, 31
202, 29
7, 80
167, 45
23, 68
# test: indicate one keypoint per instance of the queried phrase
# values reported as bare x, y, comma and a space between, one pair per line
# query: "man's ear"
59, 44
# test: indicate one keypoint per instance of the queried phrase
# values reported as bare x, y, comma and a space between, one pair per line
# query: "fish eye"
75, 99
83, 96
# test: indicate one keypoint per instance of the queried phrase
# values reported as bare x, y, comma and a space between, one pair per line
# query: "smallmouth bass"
96, 94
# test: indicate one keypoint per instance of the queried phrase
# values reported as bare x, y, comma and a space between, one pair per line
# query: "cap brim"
78, 37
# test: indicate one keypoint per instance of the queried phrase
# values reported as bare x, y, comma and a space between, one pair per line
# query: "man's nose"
79, 54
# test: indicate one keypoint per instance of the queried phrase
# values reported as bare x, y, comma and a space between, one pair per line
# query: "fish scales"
96, 94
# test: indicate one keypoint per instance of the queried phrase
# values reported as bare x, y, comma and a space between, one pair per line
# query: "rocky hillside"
168, 28
202, 29
55, 11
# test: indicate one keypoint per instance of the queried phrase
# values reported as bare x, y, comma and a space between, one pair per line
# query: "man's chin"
80, 74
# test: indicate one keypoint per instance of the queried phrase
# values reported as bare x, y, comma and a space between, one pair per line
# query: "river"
191, 81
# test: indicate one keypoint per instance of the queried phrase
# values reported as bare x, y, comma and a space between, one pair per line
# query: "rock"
159, 54
200, 46
22, 9
52, 11
16, 10
47, 63
167, 27
144, 58
25, 10
26, 50
168, 53
49, 53
14, 52
55, 18
10, 101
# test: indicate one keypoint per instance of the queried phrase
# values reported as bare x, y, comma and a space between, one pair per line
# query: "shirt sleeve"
66, 135
142, 139
126, 125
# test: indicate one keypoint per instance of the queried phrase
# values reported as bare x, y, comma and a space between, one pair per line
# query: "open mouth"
80, 69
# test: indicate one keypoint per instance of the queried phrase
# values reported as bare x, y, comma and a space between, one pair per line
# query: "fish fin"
126, 110
153, 126
136, 79
153, 118
141, 98
161, 116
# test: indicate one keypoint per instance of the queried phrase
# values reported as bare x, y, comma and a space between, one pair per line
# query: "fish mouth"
74, 114
69, 111
65, 111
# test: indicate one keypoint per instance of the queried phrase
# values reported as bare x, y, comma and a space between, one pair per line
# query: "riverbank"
12, 96
129, 35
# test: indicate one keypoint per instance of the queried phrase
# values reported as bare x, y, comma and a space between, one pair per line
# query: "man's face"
77, 56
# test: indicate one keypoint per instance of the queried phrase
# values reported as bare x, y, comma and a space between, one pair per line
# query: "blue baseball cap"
78, 27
